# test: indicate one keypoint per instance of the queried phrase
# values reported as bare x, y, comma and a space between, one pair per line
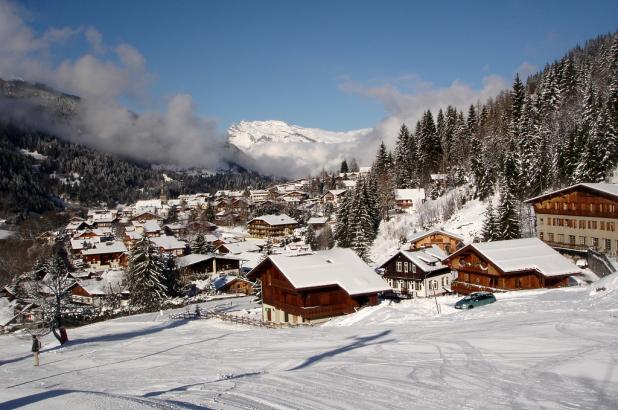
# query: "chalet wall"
445, 242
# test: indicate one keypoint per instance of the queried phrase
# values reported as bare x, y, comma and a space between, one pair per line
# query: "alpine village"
514, 197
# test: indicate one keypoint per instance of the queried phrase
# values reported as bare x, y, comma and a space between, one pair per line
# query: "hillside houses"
407, 199
447, 241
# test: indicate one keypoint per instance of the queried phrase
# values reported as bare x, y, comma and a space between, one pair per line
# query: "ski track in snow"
532, 349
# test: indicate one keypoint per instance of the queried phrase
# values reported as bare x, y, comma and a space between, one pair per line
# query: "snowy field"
537, 349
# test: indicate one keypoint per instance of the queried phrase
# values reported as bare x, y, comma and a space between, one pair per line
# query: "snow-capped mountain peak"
247, 134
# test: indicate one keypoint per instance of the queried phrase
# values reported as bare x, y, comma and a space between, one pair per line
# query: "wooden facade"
238, 285
475, 273
282, 302
449, 243
209, 267
258, 228
111, 259
578, 218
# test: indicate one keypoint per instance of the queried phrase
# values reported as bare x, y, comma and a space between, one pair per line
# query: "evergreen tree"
199, 245
144, 278
403, 167
171, 276
508, 215
342, 228
311, 239
490, 230
362, 224
344, 167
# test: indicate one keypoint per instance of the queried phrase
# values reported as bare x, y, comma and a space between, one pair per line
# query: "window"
405, 267
611, 226
550, 237
582, 240
582, 224
608, 244
413, 268
572, 239
561, 238
540, 221
602, 225
595, 242
541, 235
398, 267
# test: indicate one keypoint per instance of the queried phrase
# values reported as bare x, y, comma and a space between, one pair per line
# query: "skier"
36, 347
197, 311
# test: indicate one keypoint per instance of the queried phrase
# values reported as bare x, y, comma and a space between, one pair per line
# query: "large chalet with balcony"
314, 287
271, 226
579, 217
509, 265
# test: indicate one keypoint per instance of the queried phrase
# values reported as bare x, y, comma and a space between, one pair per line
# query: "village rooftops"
106, 247
600, 187
341, 267
274, 220
517, 255
248, 245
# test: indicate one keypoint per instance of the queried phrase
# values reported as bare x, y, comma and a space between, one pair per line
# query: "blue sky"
287, 60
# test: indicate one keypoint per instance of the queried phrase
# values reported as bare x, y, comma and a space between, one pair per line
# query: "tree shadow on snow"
358, 343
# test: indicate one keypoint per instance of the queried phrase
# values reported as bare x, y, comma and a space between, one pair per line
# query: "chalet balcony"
574, 247
473, 269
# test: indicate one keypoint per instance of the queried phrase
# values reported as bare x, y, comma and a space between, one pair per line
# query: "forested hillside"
38, 172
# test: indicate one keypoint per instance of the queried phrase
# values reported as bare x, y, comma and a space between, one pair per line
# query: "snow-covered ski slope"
551, 349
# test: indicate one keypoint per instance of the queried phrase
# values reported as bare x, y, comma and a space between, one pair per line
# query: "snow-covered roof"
77, 244
168, 242
414, 195
223, 281
422, 234
337, 266
317, 220
148, 203
525, 254
348, 184
602, 187
133, 235
111, 278
151, 226
336, 192
106, 247
274, 220
429, 259
249, 245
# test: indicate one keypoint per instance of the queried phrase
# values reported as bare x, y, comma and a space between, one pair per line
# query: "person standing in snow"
36, 347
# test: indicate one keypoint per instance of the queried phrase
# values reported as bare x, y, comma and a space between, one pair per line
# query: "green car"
475, 299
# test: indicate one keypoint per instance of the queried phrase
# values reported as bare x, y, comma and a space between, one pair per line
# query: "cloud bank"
101, 77
106, 74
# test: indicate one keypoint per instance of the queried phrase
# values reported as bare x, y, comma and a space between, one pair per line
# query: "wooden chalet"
169, 245
111, 254
145, 216
419, 273
334, 196
447, 241
509, 265
579, 217
271, 226
233, 284
406, 199
198, 266
315, 287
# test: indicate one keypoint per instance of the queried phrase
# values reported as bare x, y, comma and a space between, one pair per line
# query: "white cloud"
525, 69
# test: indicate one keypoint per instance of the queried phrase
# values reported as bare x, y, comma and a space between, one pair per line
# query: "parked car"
475, 299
